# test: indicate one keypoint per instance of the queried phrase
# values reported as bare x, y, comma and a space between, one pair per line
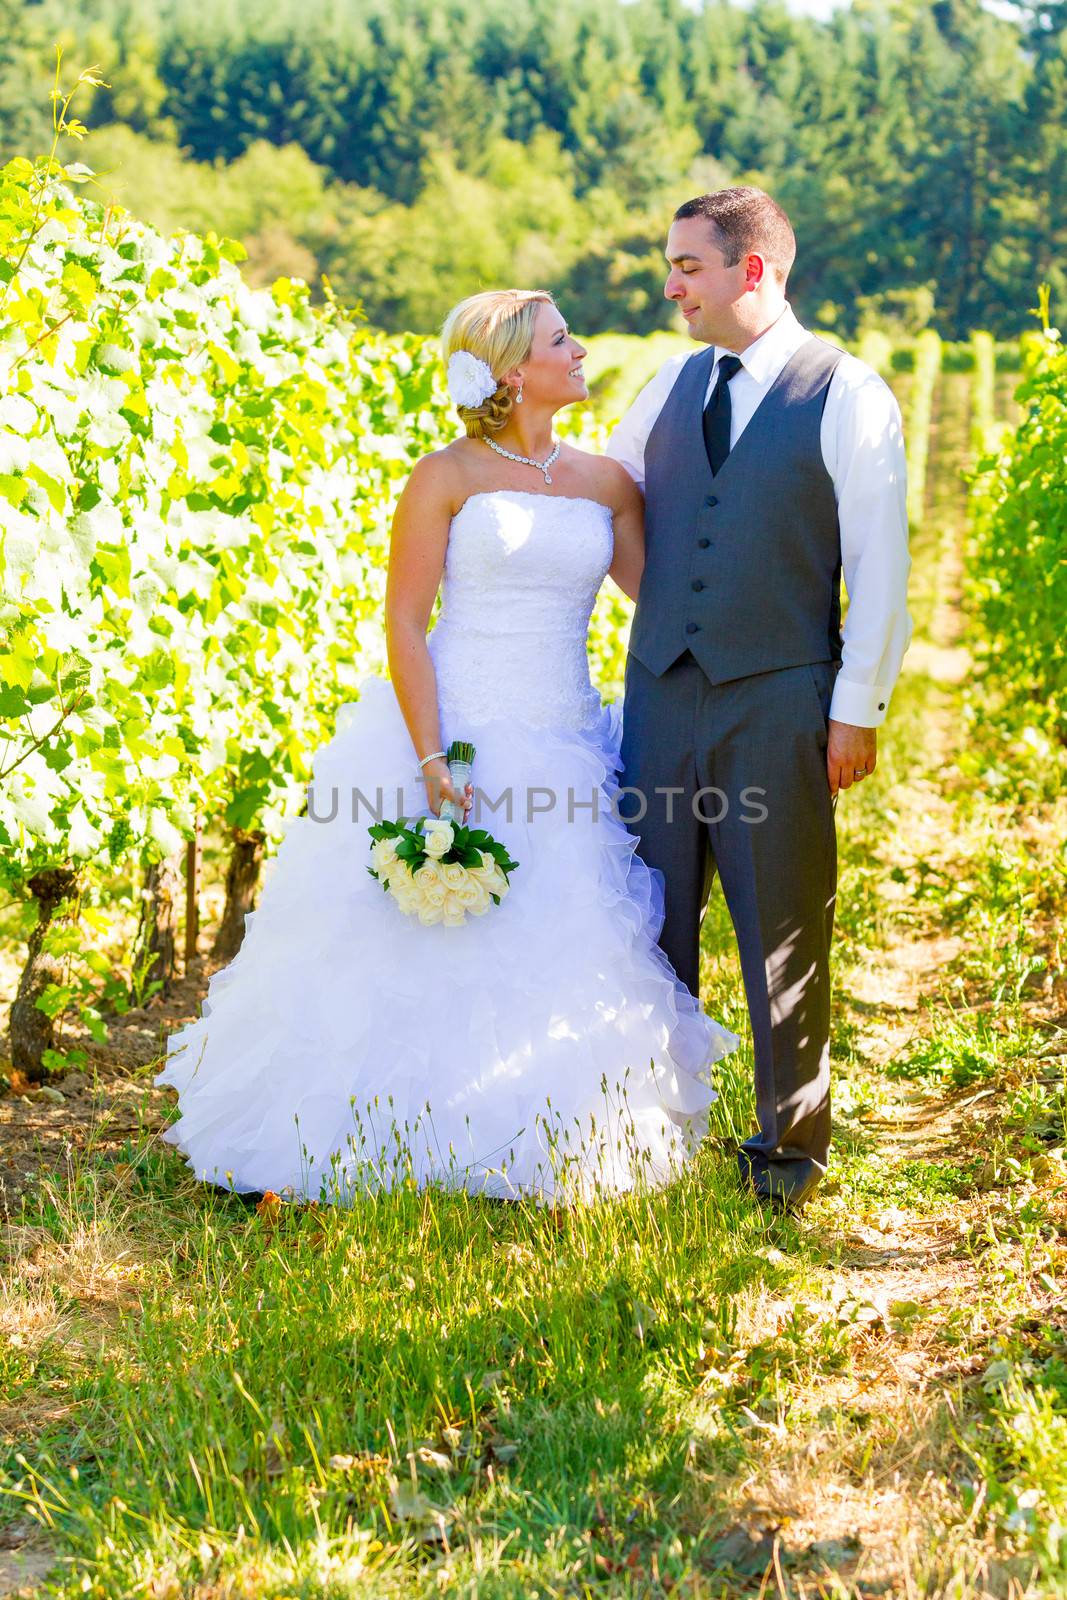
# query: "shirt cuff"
863, 705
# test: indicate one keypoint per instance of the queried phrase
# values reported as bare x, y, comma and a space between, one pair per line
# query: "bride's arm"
416, 561
628, 505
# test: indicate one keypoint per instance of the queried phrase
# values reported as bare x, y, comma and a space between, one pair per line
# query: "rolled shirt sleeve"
864, 435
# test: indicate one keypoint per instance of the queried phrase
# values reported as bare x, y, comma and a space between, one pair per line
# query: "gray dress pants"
732, 778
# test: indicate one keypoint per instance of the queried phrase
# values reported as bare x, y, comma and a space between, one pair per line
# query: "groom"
771, 462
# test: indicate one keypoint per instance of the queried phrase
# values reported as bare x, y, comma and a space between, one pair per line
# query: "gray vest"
743, 566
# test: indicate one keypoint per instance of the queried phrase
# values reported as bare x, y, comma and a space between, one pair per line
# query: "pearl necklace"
528, 461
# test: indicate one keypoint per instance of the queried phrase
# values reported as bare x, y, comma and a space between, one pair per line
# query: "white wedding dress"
544, 1048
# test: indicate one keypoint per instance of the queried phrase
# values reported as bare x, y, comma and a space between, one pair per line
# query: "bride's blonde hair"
498, 327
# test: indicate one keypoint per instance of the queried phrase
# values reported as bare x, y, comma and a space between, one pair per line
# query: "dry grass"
828, 1440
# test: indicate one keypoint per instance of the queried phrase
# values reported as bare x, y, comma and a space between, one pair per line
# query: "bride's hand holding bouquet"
440, 788
437, 868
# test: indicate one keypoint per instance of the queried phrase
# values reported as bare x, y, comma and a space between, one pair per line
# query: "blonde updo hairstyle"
498, 327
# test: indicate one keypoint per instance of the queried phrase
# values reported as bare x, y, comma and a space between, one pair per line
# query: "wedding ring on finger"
860, 772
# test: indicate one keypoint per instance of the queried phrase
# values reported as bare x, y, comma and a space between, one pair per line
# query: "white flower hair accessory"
470, 380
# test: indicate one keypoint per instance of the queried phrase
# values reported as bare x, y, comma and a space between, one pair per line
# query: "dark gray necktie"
717, 413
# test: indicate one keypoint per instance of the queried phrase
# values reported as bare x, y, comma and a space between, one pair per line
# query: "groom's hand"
851, 754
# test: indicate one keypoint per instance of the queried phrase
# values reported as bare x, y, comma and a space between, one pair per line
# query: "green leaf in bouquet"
500, 856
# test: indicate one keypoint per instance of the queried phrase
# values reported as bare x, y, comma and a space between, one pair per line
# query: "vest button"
703, 543
698, 584
691, 627
711, 500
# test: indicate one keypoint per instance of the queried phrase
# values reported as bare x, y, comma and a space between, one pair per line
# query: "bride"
546, 1048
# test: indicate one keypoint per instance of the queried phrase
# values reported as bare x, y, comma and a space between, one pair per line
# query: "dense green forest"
413, 149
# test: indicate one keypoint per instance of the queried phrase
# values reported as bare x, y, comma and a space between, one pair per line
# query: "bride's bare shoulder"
442, 476
606, 480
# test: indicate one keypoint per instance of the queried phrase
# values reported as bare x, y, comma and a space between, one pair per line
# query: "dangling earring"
518, 396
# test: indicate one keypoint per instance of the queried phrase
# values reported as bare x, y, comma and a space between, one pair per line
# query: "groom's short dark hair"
746, 218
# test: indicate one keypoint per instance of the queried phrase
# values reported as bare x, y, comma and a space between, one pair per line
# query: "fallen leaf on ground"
421, 1518
269, 1209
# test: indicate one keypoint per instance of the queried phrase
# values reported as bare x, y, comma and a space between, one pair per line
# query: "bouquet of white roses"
435, 868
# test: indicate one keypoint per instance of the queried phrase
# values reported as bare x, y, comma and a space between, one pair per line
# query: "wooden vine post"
194, 864
33, 1030
242, 877
156, 945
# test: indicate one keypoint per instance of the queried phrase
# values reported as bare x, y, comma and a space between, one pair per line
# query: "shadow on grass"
420, 1360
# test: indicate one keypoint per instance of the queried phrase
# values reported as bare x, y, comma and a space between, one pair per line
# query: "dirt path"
859, 1479
102, 1108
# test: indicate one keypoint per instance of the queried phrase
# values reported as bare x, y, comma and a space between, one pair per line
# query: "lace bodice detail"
522, 571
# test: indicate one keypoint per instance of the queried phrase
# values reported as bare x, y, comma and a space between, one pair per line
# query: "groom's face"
704, 288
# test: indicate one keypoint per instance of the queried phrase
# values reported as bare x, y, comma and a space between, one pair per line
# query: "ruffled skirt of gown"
544, 1048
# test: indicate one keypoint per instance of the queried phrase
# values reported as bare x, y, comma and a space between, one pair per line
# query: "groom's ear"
756, 270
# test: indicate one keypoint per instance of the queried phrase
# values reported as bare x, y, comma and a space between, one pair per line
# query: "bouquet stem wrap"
460, 758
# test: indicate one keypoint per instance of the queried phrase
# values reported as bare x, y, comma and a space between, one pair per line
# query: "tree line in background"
414, 149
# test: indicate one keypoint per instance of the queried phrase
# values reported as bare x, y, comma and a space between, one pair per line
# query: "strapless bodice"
521, 574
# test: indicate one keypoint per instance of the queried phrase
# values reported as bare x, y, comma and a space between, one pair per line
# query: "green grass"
430, 1394
962, 1048
430, 1369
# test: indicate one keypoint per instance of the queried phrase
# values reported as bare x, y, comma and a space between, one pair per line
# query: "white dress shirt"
862, 444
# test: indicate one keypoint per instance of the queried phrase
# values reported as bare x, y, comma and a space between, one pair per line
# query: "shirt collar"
767, 355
